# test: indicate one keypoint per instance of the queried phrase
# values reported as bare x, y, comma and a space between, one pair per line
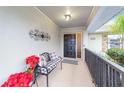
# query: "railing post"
104, 74
122, 80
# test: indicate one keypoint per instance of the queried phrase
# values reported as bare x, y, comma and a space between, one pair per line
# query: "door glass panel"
78, 45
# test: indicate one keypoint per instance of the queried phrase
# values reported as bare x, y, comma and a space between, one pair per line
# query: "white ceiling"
79, 15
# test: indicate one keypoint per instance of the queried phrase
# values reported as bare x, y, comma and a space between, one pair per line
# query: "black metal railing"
104, 72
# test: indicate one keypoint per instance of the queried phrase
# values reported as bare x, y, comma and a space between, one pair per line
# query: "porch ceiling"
104, 14
80, 15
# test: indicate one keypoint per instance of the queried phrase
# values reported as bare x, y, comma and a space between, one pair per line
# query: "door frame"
76, 44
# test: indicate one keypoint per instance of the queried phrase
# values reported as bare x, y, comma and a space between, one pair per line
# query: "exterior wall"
85, 39
16, 44
95, 42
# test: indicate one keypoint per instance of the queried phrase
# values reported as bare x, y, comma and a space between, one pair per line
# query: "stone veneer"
104, 42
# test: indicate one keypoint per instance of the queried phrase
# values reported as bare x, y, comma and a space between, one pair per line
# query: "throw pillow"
42, 61
53, 56
46, 55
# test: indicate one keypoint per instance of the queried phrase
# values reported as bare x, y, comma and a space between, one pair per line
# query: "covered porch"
27, 31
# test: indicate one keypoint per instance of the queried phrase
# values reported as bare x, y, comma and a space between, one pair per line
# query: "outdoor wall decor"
39, 35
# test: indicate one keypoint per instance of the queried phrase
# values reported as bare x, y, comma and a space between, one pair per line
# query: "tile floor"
70, 76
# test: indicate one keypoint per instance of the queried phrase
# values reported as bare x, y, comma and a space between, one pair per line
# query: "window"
114, 41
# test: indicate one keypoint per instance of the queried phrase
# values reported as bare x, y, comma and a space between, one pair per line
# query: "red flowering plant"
21, 79
32, 61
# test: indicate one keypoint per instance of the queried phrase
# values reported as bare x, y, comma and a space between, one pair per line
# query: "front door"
70, 45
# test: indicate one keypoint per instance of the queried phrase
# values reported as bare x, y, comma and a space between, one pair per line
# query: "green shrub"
117, 54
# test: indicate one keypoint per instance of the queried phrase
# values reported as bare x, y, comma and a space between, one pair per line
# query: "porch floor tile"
70, 76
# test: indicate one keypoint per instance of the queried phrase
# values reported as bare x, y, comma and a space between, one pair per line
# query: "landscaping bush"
117, 54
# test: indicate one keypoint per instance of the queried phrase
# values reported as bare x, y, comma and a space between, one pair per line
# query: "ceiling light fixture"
67, 17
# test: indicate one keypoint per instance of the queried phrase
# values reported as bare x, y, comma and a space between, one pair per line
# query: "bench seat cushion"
49, 67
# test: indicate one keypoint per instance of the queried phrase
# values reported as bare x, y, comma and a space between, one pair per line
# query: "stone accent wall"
104, 42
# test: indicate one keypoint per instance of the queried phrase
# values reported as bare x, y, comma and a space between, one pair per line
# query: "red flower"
32, 61
5, 84
21, 79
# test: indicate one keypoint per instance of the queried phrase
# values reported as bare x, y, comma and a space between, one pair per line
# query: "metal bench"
46, 70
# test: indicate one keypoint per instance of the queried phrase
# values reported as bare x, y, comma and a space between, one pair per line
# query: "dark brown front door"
69, 45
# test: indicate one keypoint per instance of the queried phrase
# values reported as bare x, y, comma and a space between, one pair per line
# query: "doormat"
75, 62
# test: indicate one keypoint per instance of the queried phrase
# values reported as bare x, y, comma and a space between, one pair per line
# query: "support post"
47, 81
36, 82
